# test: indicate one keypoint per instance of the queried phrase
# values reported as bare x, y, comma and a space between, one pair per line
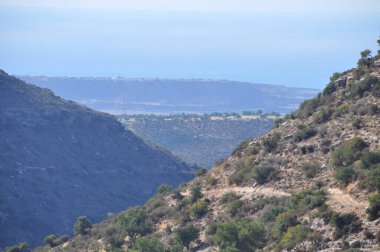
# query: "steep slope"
310, 184
173, 96
59, 160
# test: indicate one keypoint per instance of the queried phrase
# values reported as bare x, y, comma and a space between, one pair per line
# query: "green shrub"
329, 89
363, 86
345, 174
198, 209
49, 240
157, 213
307, 149
243, 235
243, 173
54, 241
308, 107
21, 247
293, 236
310, 169
305, 134
323, 116
341, 108
364, 60
283, 222
373, 178
133, 222
82, 226
165, 189
307, 199
229, 197
264, 173
278, 122
376, 89
201, 171
234, 207
345, 223
373, 211
272, 213
270, 142
147, 244
369, 159
185, 235
195, 193
349, 152
229, 249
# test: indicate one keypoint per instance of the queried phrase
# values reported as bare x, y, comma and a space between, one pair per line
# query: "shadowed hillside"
59, 160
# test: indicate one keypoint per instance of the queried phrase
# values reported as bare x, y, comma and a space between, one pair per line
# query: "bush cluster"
349, 152
305, 134
242, 235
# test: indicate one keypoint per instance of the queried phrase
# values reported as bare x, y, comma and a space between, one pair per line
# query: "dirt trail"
247, 191
344, 202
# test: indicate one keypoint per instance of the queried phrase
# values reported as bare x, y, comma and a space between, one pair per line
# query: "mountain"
173, 96
60, 160
199, 139
310, 184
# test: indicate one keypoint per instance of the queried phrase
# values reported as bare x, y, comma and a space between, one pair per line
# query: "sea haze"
290, 48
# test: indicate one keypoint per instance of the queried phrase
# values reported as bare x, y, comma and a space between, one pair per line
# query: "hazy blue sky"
299, 43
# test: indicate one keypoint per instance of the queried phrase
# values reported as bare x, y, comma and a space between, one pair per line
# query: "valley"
199, 139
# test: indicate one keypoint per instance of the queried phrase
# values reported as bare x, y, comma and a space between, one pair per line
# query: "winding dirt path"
343, 202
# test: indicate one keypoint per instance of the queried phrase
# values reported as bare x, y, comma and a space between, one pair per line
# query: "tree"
243, 235
293, 236
198, 209
195, 193
186, 234
134, 221
164, 189
349, 152
345, 174
82, 226
284, 221
50, 240
365, 58
18, 248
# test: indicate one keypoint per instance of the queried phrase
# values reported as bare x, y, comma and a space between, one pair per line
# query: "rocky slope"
310, 184
59, 160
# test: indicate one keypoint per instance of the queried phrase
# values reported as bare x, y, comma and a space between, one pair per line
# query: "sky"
294, 43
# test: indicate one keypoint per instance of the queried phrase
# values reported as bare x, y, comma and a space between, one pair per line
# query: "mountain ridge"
174, 95
59, 160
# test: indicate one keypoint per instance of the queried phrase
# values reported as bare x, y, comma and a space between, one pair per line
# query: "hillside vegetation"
200, 139
310, 184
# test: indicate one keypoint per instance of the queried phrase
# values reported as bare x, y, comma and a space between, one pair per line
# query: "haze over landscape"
296, 43
178, 126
